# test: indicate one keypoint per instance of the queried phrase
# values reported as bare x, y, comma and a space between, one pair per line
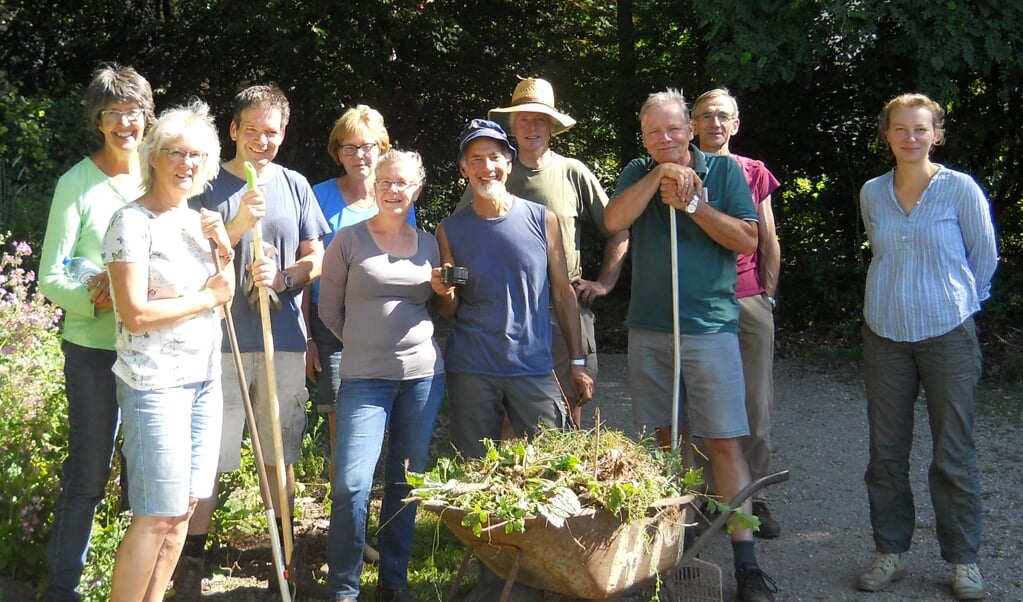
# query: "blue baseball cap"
483, 128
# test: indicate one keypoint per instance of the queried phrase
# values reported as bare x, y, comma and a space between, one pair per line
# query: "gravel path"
820, 436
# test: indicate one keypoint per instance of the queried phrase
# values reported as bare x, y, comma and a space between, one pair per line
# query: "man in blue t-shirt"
715, 219
292, 228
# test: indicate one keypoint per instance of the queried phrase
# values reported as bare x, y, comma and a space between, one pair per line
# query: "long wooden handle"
284, 503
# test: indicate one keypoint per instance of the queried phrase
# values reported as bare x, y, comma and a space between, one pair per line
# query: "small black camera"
454, 275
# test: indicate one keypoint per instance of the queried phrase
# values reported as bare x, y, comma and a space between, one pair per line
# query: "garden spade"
257, 450
271, 383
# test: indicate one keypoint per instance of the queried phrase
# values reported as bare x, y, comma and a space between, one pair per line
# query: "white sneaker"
968, 584
886, 569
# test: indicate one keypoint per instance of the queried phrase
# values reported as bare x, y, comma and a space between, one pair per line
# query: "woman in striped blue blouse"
933, 246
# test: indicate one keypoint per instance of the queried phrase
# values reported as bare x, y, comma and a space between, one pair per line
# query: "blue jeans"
949, 367
93, 417
365, 409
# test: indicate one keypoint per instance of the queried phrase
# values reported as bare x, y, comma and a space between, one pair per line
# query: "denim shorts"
712, 391
171, 442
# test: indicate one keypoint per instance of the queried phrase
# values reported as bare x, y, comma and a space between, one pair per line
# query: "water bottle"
81, 269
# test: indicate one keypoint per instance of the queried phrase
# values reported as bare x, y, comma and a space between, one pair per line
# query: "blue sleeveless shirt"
502, 326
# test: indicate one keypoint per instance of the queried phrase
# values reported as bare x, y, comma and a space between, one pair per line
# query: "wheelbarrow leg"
513, 574
460, 575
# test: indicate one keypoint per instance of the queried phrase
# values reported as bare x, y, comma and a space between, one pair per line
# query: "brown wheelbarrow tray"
595, 555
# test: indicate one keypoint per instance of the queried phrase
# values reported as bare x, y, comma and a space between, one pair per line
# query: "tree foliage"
810, 75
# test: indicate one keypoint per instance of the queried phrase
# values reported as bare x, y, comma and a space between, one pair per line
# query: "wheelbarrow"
594, 555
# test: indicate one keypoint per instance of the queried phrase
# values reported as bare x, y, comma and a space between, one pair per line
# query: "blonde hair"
194, 121
360, 119
913, 101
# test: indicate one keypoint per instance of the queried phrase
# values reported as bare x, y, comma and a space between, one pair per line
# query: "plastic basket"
697, 581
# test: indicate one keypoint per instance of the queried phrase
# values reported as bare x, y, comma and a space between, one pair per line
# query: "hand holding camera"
453, 275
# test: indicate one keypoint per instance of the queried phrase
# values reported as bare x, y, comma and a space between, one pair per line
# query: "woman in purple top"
375, 293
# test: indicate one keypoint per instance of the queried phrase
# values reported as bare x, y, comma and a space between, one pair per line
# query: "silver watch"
693, 202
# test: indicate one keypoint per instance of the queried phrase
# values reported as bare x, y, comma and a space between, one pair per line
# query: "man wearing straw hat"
704, 200
569, 189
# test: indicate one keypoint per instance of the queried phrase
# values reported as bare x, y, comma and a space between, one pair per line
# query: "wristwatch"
579, 362
691, 207
289, 282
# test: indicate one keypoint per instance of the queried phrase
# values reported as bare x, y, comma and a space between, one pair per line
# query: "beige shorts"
289, 368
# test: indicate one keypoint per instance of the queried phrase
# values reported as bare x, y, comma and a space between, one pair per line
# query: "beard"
493, 190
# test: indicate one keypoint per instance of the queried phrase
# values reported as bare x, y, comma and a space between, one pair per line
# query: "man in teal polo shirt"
715, 221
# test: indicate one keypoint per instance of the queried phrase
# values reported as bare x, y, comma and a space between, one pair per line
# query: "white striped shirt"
932, 268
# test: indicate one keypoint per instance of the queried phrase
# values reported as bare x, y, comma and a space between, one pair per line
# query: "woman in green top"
118, 107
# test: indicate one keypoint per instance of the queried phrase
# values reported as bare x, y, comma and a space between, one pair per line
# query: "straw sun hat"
537, 96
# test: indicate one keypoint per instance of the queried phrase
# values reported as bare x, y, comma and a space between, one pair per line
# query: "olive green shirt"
569, 189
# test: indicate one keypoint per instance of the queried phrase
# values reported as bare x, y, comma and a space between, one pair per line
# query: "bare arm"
312, 356
770, 250
626, 207
130, 282
447, 296
566, 308
251, 209
303, 271
615, 250
730, 232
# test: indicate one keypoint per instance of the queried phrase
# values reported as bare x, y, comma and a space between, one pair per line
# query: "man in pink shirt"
716, 118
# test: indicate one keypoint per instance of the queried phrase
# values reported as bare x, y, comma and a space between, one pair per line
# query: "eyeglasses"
113, 116
711, 117
400, 186
350, 150
180, 156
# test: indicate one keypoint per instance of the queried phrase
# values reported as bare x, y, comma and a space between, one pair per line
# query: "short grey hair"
710, 95
657, 99
399, 156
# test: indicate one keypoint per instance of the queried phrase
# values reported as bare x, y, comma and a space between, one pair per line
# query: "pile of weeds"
554, 475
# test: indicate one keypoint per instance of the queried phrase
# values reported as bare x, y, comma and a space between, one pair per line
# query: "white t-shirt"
179, 262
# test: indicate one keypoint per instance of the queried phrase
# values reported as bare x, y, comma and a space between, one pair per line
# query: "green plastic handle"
250, 175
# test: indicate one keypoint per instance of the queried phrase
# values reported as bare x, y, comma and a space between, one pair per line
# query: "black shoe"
386, 594
753, 585
188, 580
769, 528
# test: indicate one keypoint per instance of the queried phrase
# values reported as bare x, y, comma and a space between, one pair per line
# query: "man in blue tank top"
498, 355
